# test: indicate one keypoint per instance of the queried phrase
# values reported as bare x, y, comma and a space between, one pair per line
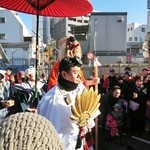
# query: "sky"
136, 10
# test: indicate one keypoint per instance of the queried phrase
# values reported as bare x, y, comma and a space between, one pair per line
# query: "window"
135, 38
72, 19
130, 38
80, 21
2, 20
2, 36
86, 21
128, 29
128, 51
142, 29
131, 28
140, 39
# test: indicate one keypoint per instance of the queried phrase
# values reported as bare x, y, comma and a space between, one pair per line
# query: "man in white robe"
56, 104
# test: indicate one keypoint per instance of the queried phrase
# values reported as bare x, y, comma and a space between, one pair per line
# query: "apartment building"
136, 34
15, 38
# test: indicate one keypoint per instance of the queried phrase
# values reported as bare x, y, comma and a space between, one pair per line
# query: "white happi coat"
55, 109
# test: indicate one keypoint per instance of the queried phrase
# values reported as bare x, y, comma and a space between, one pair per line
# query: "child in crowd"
117, 113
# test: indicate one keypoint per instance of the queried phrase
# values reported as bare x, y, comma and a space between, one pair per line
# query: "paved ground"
129, 143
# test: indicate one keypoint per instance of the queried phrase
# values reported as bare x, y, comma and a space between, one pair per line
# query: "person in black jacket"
137, 107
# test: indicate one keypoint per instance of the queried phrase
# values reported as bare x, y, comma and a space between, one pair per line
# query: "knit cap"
28, 131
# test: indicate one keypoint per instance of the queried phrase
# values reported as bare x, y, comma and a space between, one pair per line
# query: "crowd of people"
66, 80
18, 90
135, 93
126, 94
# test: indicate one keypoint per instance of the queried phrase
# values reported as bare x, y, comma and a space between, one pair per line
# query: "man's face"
116, 93
72, 75
139, 83
144, 73
8, 72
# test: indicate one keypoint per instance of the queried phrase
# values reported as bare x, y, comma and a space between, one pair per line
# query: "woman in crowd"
137, 106
107, 102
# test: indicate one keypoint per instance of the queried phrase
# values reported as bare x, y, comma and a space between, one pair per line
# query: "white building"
107, 37
136, 32
148, 16
14, 37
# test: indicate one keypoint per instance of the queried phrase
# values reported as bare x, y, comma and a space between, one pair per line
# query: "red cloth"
7, 77
105, 83
85, 147
53, 76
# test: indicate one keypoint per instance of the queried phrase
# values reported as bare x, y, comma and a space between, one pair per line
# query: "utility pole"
13, 51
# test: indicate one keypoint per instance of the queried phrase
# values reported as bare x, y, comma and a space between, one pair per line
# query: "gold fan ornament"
86, 105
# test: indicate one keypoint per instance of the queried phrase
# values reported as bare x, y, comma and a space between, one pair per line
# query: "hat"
127, 68
117, 106
128, 73
28, 131
68, 62
1, 76
30, 70
111, 70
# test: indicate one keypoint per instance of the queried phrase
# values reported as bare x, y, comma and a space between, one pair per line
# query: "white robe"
55, 109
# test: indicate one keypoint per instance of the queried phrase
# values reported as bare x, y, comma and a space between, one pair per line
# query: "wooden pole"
96, 119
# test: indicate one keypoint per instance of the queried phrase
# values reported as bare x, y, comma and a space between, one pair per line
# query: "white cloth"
55, 109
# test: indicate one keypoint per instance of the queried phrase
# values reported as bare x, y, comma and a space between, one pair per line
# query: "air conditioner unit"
119, 59
119, 18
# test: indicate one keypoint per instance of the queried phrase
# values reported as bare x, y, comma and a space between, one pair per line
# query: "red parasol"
53, 8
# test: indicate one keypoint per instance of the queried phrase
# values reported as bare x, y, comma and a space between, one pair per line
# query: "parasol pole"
96, 86
96, 119
36, 54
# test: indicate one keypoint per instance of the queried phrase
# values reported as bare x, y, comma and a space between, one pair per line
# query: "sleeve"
52, 80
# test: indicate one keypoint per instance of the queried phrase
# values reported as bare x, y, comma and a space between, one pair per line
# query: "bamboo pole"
96, 119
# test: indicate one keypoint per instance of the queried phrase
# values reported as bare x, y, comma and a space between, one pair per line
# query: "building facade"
15, 38
61, 27
136, 34
107, 36
44, 28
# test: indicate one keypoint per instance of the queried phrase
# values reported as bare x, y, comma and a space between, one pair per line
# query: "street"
129, 143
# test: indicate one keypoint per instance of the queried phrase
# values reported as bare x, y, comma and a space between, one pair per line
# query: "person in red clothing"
110, 81
8, 73
69, 46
